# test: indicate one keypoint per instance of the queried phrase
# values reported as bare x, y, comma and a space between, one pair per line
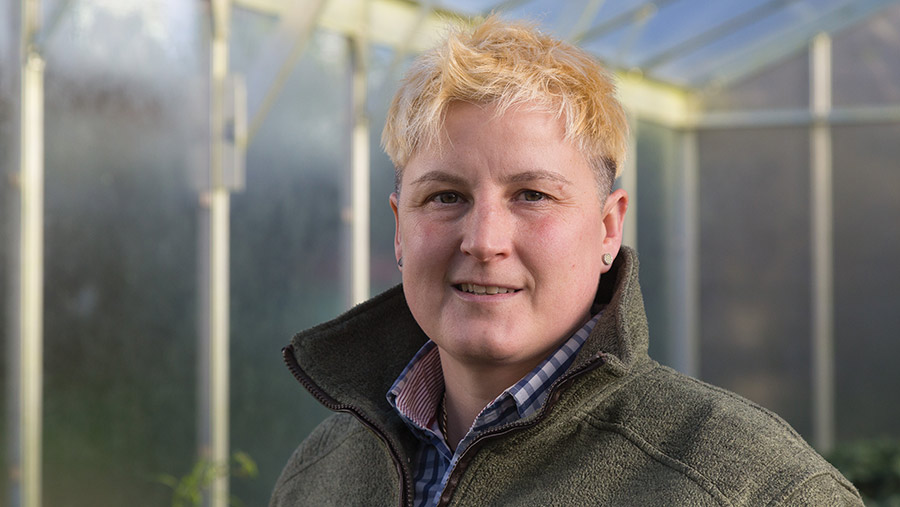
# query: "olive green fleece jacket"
617, 428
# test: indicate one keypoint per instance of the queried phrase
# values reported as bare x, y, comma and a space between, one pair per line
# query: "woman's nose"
487, 232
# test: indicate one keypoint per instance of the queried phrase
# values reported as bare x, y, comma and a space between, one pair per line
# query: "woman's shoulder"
739, 447
329, 434
339, 459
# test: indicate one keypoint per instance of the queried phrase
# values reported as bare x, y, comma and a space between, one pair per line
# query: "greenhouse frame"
186, 184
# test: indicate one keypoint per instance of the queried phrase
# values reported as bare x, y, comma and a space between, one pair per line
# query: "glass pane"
120, 327
289, 248
657, 29
8, 203
867, 277
382, 87
754, 275
784, 85
656, 158
867, 61
471, 7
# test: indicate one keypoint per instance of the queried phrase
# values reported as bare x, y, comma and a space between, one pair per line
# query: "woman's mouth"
481, 290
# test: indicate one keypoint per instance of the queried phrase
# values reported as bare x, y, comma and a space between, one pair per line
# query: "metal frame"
360, 165
27, 277
506, 5
214, 321
797, 117
282, 51
629, 182
53, 19
632, 15
717, 32
367, 22
384, 16
683, 251
822, 251
426, 7
634, 34
590, 11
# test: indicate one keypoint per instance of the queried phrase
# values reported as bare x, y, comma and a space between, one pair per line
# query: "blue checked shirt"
417, 392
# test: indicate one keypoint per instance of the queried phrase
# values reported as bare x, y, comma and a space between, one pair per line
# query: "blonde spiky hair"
507, 64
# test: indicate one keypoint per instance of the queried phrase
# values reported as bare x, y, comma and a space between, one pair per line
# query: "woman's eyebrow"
536, 175
439, 176
445, 177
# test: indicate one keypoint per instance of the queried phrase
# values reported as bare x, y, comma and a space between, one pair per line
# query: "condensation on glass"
121, 240
289, 248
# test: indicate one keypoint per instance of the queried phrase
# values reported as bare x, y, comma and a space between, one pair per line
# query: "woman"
511, 366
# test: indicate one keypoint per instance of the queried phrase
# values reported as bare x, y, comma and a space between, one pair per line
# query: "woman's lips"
481, 290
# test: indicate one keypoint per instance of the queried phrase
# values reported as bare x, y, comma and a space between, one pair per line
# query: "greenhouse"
187, 184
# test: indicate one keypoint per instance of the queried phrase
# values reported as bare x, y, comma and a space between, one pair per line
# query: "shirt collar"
530, 393
416, 393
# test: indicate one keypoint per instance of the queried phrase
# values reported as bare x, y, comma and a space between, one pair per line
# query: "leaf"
246, 467
168, 480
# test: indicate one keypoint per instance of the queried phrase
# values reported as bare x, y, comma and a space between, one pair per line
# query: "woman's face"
502, 231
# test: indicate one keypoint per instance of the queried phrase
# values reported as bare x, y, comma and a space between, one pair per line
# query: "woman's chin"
490, 349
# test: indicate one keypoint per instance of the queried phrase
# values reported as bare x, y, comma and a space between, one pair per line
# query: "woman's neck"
468, 389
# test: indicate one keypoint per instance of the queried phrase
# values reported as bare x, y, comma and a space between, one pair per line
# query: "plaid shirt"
418, 390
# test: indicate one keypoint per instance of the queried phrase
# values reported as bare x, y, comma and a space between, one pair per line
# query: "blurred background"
186, 183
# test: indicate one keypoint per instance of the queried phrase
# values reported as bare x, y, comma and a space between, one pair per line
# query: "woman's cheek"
543, 233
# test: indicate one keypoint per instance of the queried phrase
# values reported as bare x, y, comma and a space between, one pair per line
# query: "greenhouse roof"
686, 43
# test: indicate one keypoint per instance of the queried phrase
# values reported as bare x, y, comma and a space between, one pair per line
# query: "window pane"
657, 159
120, 268
8, 203
867, 277
289, 251
867, 61
754, 267
784, 85
382, 87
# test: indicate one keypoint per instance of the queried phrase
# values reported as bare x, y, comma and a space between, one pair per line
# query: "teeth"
482, 289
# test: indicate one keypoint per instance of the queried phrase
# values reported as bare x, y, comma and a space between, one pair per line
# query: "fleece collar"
355, 358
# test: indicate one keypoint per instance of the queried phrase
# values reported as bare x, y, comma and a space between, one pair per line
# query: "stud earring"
607, 259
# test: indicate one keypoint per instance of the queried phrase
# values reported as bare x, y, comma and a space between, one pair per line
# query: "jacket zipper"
332, 404
469, 453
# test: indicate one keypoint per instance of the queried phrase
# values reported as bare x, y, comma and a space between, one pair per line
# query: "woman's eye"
532, 195
447, 198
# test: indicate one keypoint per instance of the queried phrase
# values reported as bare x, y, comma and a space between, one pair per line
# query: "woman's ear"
613, 222
398, 245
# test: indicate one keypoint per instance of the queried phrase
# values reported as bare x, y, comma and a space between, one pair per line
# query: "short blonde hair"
508, 64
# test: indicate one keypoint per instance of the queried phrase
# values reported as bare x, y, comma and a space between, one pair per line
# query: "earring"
607, 259
400, 262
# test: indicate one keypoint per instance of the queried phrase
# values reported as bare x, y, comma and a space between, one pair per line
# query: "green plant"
188, 490
873, 466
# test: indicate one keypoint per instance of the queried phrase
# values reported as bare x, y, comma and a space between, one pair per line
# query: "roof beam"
590, 11
506, 5
655, 101
401, 51
861, 115
633, 15
393, 23
279, 56
391, 20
